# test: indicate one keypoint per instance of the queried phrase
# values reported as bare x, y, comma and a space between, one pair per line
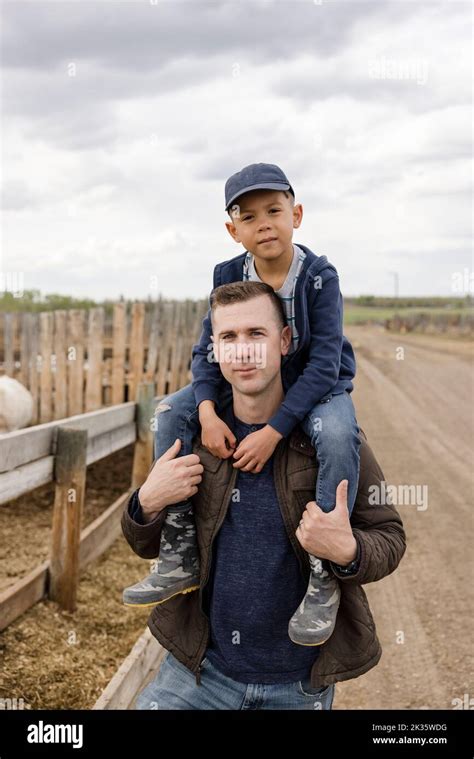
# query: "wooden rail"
60, 452
136, 670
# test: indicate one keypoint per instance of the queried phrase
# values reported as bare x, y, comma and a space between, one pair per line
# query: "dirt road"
417, 413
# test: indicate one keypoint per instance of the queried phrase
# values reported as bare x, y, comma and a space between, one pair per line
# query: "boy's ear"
297, 215
231, 228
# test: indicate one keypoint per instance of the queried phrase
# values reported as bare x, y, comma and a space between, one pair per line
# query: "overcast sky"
121, 122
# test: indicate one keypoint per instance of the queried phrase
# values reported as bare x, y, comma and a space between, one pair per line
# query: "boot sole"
163, 600
300, 643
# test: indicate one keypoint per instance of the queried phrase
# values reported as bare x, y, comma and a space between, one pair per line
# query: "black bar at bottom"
427, 733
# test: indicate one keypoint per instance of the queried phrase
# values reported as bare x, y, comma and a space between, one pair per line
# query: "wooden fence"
60, 452
78, 361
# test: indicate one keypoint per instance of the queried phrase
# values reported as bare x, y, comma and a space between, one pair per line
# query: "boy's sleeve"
206, 374
324, 360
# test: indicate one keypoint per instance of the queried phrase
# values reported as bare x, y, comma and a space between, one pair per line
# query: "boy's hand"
255, 449
215, 434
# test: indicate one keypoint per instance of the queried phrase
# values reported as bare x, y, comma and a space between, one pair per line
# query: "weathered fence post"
70, 477
143, 452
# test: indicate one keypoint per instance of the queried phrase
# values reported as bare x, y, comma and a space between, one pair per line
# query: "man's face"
263, 214
249, 343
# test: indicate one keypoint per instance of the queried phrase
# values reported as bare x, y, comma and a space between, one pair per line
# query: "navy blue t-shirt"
255, 585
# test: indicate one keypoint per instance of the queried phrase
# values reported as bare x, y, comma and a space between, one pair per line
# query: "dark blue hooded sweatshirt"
324, 361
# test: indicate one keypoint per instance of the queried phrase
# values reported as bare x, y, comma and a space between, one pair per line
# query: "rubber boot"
314, 620
177, 568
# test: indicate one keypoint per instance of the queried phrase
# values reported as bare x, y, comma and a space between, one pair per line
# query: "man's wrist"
349, 556
149, 509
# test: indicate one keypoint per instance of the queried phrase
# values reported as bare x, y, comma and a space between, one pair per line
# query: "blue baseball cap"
256, 176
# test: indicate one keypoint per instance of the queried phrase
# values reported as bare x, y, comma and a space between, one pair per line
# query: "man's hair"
241, 292
285, 193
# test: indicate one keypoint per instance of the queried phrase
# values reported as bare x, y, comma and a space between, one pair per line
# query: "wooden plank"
28, 374
183, 374
21, 596
24, 446
23, 375
94, 359
70, 476
152, 356
75, 362
143, 452
25, 478
185, 377
8, 338
181, 344
173, 345
164, 349
60, 379
136, 349
107, 381
180, 341
118, 353
32, 356
103, 445
144, 660
46, 349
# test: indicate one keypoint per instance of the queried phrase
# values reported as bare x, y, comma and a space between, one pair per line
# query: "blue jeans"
175, 687
331, 426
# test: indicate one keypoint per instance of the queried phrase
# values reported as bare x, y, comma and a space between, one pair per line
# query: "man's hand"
171, 480
215, 434
328, 535
255, 449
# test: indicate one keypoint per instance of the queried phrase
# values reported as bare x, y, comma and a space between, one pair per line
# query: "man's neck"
258, 409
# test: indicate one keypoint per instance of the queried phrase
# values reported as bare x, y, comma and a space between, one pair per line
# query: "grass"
366, 314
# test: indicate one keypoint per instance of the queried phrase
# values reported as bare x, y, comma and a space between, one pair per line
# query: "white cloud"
116, 175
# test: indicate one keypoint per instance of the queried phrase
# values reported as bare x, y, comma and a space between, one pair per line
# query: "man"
228, 641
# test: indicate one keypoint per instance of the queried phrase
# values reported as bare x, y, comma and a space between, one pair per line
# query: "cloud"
122, 121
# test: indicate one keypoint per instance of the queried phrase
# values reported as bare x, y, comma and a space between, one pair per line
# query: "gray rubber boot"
177, 568
313, 621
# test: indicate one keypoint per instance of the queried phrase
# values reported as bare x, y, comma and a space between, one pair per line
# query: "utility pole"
395, 283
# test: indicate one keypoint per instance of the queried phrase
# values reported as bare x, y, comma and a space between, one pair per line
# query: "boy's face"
263, 214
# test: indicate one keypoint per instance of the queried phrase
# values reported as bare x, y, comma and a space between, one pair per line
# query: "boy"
317, 376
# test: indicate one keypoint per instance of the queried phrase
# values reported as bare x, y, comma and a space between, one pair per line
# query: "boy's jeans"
331, 426
175, 687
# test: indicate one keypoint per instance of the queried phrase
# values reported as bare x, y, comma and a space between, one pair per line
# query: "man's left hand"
328, 535
255, 449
